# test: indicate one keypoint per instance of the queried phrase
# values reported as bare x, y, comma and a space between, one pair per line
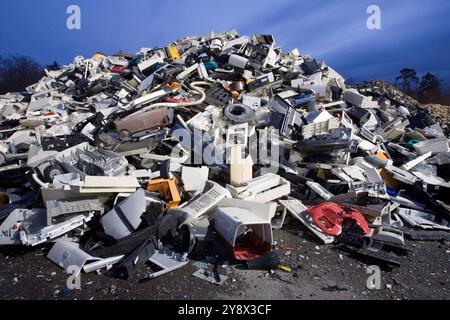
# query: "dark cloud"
414, 33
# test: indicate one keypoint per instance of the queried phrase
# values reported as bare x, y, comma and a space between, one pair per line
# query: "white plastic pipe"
194, 86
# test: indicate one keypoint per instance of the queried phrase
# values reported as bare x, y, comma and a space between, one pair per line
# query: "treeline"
18, 72
427, 89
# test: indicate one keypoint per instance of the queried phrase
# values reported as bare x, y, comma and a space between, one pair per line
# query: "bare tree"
431, 89
430, 82
17, 73
407, 77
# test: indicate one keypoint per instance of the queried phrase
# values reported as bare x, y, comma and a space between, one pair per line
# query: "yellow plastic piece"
284, 268
98, 56
234, 94
173, 53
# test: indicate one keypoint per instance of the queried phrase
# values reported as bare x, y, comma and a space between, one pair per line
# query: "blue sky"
415, 33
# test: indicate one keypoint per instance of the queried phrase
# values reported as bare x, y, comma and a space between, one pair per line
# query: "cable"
193, 86
40, 182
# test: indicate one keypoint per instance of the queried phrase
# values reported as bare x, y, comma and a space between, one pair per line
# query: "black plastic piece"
131, 263
217, 95
326, 143
426, 235
359, 115
60, 143
417, 192
310, 67
360, 247
259, 83
101, 245
420, 120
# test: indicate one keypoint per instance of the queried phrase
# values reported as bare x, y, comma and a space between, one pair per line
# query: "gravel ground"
440, 113
319, 272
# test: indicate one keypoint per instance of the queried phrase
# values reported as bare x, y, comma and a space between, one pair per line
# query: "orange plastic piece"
381, 155
168, 190
385, 175
174, 85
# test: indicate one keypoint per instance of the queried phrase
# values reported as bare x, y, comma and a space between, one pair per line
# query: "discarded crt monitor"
246, 235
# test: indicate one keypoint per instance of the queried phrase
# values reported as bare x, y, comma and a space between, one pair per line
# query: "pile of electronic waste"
202, 148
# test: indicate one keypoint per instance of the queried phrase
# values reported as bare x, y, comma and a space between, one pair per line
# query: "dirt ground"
319, 272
